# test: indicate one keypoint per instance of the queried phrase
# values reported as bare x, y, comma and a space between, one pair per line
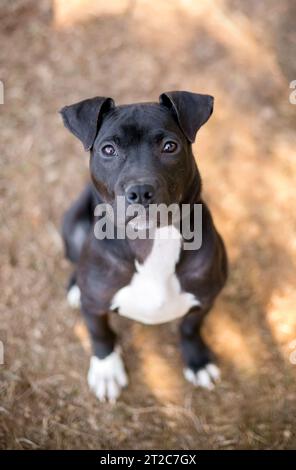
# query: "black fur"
104, 266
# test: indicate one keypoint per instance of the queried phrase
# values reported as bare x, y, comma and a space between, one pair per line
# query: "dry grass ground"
242, 52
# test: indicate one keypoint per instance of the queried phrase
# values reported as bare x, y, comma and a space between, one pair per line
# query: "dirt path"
242, 52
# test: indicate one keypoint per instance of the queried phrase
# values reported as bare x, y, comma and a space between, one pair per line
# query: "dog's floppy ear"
84, 118
191, 110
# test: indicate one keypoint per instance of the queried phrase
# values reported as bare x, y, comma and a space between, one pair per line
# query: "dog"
143, 153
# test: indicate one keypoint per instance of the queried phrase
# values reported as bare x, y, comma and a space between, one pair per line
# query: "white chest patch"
154, 294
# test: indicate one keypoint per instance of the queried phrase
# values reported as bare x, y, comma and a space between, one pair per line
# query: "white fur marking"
154, 294
214, 371
106, 377
205, 378
73, 296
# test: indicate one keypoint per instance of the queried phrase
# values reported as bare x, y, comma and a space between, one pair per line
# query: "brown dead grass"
241, 52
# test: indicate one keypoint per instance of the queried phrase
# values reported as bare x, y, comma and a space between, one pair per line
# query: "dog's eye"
109, 150
169, 147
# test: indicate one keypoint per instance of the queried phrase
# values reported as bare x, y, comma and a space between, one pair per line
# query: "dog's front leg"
200, 369
106, 375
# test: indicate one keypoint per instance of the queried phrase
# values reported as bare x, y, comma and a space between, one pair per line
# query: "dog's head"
141, 151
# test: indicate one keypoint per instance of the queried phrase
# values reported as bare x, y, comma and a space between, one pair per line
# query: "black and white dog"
143, 153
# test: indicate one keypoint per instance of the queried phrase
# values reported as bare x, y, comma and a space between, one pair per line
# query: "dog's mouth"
152, 217
139, 217
141, 221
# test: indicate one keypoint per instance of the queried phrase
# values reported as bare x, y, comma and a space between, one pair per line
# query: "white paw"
73, 296
205, 378
106, 377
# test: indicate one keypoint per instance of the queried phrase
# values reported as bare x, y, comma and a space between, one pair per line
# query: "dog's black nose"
140, 194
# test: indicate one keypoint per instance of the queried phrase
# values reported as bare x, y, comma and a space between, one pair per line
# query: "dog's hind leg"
73, 292
76, 225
